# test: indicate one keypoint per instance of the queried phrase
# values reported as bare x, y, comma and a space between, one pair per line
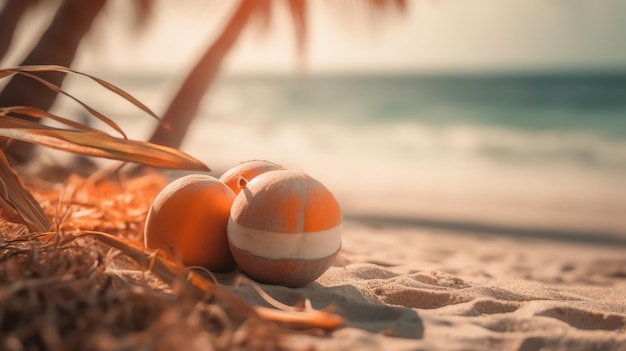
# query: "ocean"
545, 152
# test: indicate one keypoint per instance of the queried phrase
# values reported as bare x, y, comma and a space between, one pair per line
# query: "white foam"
285, 246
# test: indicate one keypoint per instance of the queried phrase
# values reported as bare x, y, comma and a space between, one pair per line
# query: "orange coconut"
285, 228
188, 219
236, 177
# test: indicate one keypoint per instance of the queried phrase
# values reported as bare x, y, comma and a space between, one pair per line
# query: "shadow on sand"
347, 301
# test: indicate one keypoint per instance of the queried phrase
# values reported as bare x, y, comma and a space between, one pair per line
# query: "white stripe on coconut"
274, 245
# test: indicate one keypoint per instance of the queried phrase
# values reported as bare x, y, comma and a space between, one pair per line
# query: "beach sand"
409, 288
420, 285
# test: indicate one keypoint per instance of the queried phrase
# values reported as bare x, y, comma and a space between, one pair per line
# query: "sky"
465, 35
435, 35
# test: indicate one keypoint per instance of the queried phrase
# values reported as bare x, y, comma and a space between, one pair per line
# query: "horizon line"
616, 72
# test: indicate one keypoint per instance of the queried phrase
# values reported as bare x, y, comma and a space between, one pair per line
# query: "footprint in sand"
416, 298
426, 290
585, 320
483, 307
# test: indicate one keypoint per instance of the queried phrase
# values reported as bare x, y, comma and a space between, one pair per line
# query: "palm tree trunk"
57, 46
185, 104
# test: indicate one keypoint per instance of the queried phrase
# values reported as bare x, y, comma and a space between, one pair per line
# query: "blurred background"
469, 114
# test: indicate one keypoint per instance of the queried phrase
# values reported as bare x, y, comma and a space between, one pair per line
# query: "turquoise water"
583, 110
593, 103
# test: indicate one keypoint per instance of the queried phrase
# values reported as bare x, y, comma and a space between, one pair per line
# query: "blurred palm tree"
73, 19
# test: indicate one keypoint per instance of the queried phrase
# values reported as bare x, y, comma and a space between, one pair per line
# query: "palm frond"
28, 70
97, 144
16, 203
41, 114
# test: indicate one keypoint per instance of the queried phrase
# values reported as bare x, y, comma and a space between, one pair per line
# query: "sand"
423, 285
409, 288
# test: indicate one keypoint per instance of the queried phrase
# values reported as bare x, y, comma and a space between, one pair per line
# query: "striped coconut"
285, 228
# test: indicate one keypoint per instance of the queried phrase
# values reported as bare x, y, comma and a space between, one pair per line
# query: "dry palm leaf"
41, 114
53, 68
16, 203
98, 144
27, 70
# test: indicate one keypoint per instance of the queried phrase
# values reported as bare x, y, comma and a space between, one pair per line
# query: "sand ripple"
404, 289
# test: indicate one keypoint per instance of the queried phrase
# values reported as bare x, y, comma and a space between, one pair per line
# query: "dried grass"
62, 293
